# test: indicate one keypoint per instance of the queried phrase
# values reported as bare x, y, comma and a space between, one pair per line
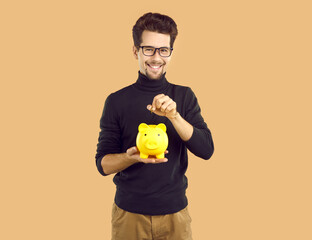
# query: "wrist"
174, 117
130, 159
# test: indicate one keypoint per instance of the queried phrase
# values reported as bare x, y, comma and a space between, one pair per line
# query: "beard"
158, 76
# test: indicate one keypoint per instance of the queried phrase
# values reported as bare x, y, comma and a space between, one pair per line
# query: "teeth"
155, 66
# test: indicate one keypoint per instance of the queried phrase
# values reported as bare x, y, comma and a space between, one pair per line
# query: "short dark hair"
154, 22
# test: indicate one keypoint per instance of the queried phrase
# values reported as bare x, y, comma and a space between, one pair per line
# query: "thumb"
132, 150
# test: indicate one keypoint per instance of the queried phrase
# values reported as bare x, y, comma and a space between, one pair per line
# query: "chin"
157, 77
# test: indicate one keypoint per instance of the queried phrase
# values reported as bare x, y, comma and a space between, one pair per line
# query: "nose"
156, 55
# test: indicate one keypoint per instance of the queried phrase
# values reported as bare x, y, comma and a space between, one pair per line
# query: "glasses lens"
148, 51
165, 52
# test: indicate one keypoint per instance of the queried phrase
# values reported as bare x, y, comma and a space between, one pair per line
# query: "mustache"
156, 63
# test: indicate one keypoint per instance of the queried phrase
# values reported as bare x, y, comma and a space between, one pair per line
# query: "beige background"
249, 63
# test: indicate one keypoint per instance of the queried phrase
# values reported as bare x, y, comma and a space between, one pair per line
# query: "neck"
151, 85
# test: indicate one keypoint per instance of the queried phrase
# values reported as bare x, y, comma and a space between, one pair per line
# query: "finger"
149, 107
132, 150
161, 101
155, 100
171, 107
165, 105
161, 160
154, 160
147, 160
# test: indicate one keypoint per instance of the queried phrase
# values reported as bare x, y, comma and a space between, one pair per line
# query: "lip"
155, 69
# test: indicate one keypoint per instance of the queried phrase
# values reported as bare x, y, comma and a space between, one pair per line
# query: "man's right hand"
113, 163
133, 153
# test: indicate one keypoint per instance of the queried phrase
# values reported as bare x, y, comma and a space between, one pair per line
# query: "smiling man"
153, 65
150, 200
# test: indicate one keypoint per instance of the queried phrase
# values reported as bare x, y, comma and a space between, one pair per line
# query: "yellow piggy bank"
152, 140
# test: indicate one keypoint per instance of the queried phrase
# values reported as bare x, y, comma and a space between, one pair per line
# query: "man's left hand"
163, 106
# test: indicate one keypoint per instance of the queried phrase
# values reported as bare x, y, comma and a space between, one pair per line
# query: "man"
150, 200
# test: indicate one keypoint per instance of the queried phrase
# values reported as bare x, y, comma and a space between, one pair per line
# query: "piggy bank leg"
162, 155
142, 155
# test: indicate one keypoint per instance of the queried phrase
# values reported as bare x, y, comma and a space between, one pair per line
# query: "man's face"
153, 66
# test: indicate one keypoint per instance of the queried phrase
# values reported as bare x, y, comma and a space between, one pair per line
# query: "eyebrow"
155, 47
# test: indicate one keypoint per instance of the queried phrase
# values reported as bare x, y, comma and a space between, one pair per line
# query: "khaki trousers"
132, 226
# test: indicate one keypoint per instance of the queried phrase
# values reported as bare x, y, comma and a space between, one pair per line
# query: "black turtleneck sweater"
152, 189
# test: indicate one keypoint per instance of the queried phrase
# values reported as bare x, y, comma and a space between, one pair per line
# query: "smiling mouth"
155, 67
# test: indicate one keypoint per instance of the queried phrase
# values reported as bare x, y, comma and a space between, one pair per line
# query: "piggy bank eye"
158, 134
145, 134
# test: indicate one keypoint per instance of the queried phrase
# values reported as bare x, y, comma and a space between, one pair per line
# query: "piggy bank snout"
152, 144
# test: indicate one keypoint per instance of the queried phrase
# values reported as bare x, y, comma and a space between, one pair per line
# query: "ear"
162, 126
135, 52
143, 126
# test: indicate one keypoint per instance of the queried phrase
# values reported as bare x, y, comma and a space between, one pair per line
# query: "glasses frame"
156, 49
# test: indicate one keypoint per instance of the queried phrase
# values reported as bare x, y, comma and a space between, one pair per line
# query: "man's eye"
149, 49
164, 50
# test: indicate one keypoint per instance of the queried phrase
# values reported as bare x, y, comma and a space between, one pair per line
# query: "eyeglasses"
150, 51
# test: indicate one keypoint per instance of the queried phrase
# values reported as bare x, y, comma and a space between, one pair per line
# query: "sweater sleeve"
200, 143
109, 136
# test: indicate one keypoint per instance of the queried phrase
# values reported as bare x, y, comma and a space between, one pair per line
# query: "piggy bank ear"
143, 126
162, 126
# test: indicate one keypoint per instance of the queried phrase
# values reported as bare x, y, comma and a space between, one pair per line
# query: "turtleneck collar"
151, 85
